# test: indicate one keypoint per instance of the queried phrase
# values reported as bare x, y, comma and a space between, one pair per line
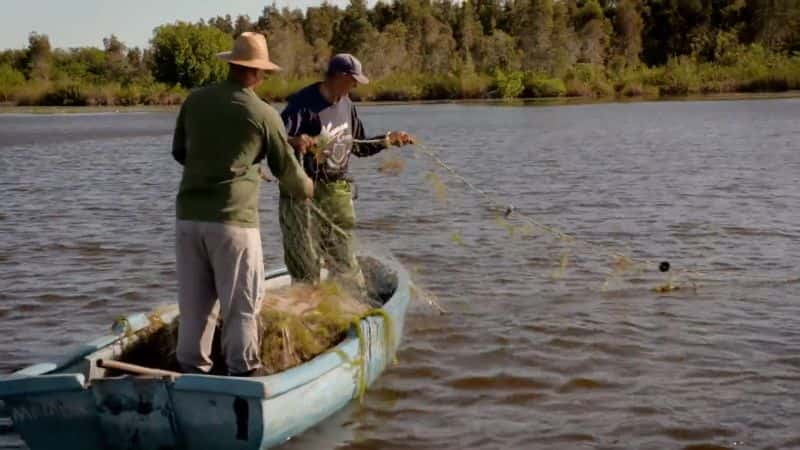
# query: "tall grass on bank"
744, 69
739, 69
277, 89
68, 93
403, 87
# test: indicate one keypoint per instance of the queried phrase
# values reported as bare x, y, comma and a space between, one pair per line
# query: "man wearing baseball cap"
327, 229
222, 133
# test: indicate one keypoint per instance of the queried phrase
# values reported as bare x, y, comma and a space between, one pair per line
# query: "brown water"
525, 359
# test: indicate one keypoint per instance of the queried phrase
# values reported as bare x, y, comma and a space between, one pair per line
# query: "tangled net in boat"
299, 322
296, 324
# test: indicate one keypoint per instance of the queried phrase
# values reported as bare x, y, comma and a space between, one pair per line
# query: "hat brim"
360, 78
263, 64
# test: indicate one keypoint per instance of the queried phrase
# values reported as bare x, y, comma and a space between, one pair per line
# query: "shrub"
398, 87
185, 53
442, 87
577, 88
632, 90
509, 85
475, 86
544, 87
278, 88
68, 94
10, 79
30, 94
130, 95
679, 77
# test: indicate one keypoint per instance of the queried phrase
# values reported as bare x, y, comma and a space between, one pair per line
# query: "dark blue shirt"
305, 113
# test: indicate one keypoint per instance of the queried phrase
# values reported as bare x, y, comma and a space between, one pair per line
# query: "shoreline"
10, 108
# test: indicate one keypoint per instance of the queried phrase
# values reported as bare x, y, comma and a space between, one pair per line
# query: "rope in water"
510, 210
692, 275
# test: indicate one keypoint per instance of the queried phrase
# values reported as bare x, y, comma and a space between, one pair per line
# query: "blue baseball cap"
347, 64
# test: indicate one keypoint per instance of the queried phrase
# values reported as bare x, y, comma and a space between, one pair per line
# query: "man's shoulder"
256, 104
307, 98
263, 113
203, 94
203, 91
269, 114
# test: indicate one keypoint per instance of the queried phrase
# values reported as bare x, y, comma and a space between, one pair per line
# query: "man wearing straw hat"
323, 228
222, 133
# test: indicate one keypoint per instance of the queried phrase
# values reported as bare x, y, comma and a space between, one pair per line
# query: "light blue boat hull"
71, 406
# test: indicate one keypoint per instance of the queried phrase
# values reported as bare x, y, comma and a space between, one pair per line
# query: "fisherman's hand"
400, 138
308, 187
264, 175
302, 143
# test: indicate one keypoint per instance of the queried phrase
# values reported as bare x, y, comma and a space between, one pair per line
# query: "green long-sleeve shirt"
222, 133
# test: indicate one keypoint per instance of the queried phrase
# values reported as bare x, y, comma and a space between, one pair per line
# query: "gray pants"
218, 262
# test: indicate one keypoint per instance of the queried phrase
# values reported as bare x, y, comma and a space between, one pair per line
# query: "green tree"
10, 79
39, 56
673, 27
286, 39
509, 85
136, 60
565, 47
224, 24
490, 14
321, 22
775, 23
185, 53
387, 54
438, 46
319, 27
532, 23
628, 26
88, 64
354, 30
594, 31
243, 24
469, 35
16, 59
115, 49
499, 51
117, 67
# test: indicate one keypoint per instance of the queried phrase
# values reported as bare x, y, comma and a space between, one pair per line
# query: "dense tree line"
448, 48
542, 35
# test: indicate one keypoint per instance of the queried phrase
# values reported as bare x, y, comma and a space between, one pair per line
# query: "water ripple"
529, 357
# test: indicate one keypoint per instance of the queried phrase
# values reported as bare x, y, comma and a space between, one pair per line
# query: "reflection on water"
526, 359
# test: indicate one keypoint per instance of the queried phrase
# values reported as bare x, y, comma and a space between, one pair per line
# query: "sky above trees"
81, 23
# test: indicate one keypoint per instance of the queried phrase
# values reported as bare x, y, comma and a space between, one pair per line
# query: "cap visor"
361, 78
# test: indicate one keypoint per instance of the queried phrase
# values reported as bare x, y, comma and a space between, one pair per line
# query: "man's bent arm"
364, 149
179, 139
284, 165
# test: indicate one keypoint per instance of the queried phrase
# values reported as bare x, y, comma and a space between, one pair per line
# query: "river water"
533, 353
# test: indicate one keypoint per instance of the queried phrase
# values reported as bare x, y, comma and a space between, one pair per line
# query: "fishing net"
614, 263
606, 263
296, 323
300, 321
303, 321
330, 290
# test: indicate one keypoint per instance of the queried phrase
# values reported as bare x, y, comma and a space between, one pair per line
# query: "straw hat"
250, 50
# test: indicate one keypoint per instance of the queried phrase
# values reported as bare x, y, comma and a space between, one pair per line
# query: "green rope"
389, 343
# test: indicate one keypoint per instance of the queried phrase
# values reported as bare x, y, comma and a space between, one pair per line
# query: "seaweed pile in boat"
302, 321
296, 323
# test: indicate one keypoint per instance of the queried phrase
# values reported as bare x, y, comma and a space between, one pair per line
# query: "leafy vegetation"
443, 49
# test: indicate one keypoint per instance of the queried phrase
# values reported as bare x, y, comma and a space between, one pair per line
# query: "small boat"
79, 403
